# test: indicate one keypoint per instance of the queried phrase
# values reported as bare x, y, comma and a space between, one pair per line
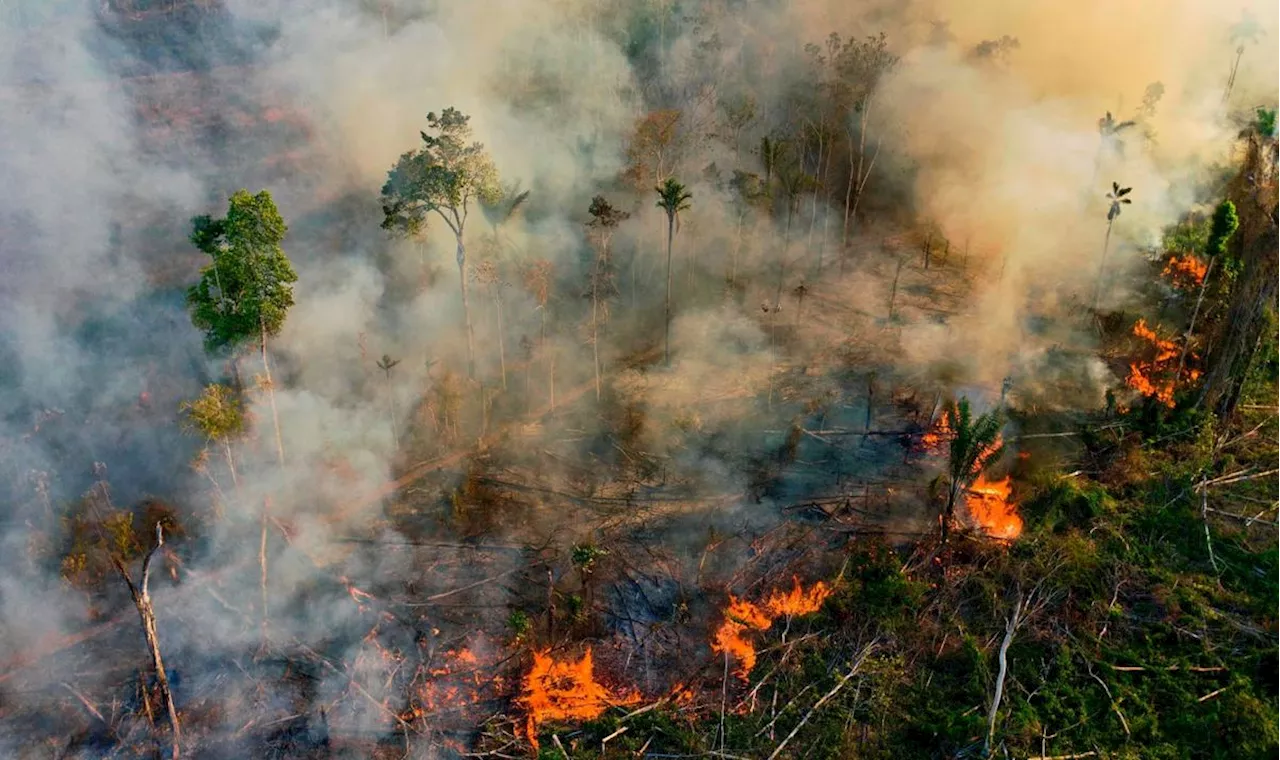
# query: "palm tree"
1246, 30
386, 364
1109, 129
672, 198
974, 444
1117, 198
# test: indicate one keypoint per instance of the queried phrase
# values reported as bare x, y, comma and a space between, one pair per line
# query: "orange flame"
563, 691
742, 616
988, 503
1189, 270
938, 435
1145, 377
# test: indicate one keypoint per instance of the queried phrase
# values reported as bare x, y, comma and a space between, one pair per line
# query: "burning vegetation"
733, 638
564, 690
1156, 376
647, 322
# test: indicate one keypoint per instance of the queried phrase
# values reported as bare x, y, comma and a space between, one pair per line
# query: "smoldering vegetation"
892, 205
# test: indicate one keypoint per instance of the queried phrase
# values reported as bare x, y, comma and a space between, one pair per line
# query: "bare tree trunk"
893, 292
391, 410
262, 577
1102, 268
271, 394
466, 309
666, 350
231, 465
146, 611
502, 351
817, 184
1009, 630
595, 323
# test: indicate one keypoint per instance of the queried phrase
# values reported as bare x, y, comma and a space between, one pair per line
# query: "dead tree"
141, 596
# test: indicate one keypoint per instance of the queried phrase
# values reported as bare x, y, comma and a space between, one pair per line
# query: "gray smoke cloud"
115, 138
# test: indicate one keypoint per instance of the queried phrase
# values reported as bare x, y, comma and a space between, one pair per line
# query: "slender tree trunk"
262, 579
1009, 630
813, 207
231, 465
671, 232
595, 315
141, 595
271, 394
1191, 328
848, 206
1102, 267
826, 208
466, 309
893, 292
502, 351
391, 410
786, 250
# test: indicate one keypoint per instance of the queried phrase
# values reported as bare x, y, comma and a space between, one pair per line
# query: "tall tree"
245, 294
537, 281
386, 364
1245, 31
1117, 198
672, 198
974, 444
443, 176
861, 66
601, 287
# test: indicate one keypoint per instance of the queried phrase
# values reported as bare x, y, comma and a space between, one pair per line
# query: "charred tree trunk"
1254, 293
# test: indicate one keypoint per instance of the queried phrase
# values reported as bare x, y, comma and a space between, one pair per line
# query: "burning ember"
988, 503
563, 691
1150, 378
743, 616
1188, 271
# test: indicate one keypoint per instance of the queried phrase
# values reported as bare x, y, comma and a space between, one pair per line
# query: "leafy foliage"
218, 414
247, 291
443, 176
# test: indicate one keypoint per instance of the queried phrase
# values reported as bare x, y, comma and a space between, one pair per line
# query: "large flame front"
742, 617
989, 505
555, 690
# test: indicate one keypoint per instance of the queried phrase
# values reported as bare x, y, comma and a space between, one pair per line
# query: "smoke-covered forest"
638, 379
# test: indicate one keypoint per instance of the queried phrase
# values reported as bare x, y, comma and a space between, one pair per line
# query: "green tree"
245, 294
974, 443
672, 198
443, 176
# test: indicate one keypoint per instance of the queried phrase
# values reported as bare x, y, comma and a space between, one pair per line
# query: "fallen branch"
1211, 695
1090, 753
1010, 628
862, 657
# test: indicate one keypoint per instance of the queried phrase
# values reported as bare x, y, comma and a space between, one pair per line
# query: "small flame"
1188, 269
742, 616
938, 435
555, 690
988, 503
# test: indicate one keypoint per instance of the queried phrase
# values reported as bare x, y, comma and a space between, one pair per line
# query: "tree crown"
247, 290
444, 175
